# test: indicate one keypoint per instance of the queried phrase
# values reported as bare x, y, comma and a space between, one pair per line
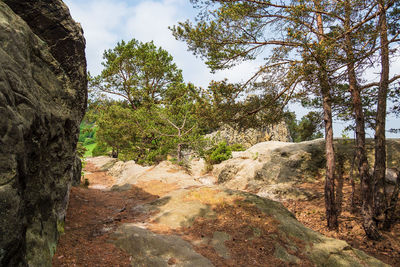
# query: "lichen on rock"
43, 92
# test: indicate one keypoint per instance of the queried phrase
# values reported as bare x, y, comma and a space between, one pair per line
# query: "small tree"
117, 128
174, 122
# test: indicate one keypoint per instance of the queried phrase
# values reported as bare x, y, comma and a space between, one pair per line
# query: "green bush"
237, 147
89, 141
100, 150
89, 149
218, 153
86, 131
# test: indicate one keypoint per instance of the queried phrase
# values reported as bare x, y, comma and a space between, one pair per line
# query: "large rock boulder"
230, 228
43, 91
272, 169
150, 249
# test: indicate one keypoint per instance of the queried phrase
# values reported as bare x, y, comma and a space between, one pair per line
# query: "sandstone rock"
77, 171
391, 181
291, 242
166, 172
155, 250
392, 175
42, 101
272, 169
250, 137
51, 21
102, 163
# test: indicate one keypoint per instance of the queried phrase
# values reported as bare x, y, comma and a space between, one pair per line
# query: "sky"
106, 22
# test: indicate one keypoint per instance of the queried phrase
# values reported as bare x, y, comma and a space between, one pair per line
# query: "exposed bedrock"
43, 92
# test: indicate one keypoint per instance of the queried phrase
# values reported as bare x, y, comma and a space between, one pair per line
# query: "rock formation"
222, 221
194, 223
271, 169
251, 136
43, 91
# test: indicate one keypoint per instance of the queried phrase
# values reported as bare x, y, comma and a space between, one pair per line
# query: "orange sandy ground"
93, 214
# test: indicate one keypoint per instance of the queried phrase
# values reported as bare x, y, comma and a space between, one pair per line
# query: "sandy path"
92, 215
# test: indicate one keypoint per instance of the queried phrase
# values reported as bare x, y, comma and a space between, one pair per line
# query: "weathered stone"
42, 100
251, 136
77, 171
218, 243
272, 169
154, 250
51, 21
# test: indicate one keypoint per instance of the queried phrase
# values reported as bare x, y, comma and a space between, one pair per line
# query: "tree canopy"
138, 72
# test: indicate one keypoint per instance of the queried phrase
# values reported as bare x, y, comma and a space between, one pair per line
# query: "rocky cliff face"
251, 136
42, 100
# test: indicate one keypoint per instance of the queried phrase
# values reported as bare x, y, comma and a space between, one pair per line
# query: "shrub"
100, 150
218, 153
237, 147
89, 141
80, 150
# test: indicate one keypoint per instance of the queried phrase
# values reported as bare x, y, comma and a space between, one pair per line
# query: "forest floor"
311, 213
94, 214
90, 213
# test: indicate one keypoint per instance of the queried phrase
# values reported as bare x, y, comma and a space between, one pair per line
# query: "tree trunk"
353, 183
390, 211
363, 168
179, 152
380, 139
330, 203
114, 153
339, 187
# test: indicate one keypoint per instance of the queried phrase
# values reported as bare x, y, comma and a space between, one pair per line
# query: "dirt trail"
93, 214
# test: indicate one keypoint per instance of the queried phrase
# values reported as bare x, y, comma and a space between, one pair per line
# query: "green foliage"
100, 149
139, 72
89, 149
87, 138
86, 131
116, 128
255, 156
80, 150
218, 153
308, 128
89, 141
237, 147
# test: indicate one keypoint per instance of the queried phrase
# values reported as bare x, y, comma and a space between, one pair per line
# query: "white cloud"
101, 22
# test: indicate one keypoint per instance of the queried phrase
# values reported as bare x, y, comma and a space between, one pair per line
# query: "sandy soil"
93, 214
